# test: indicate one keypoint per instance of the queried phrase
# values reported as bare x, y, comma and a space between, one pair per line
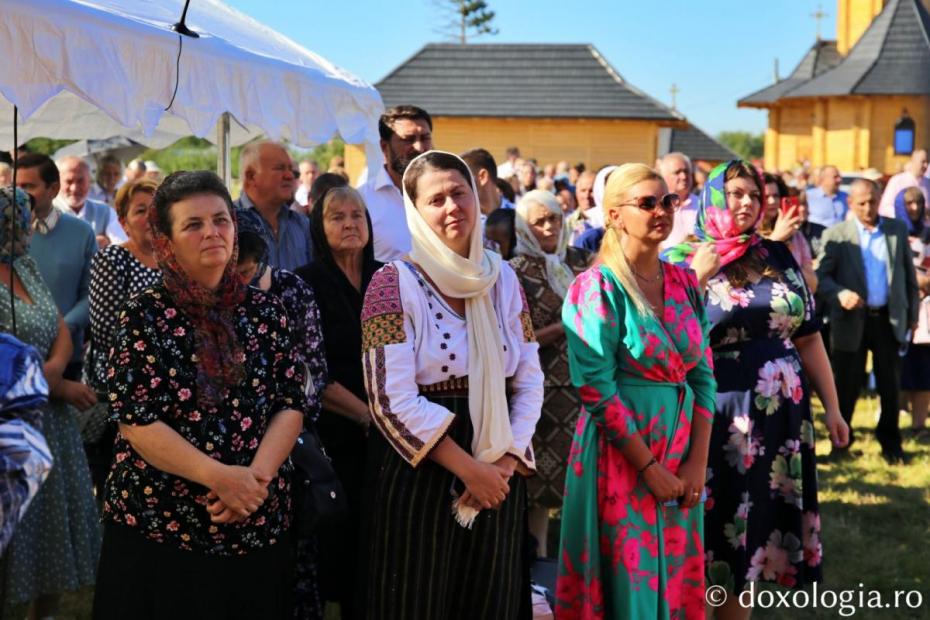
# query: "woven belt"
455, 387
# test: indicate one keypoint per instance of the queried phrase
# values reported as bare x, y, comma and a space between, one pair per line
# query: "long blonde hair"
619, 184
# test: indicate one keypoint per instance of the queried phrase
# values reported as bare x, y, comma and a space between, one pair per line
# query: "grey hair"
250, 152
64, 161
679, 155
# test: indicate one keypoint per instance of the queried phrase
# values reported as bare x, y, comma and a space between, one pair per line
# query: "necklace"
651, 280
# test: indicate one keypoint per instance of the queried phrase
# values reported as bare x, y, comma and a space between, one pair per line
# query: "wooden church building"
859, 102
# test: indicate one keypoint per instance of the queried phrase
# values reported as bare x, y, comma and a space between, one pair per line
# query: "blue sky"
715, 51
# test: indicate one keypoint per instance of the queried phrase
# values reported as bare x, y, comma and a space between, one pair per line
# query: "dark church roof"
698, 145
891, 58
819, 58
518, 80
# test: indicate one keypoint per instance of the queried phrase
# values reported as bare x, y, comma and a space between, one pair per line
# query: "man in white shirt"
309, 171
135, 170
109, 175
509, 168
676, 169
584, 217
406, 131
75, 185
912, 176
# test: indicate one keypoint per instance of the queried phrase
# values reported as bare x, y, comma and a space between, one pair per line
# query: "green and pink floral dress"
622, 554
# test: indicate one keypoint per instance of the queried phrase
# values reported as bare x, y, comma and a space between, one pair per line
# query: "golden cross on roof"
674, 90
818, 15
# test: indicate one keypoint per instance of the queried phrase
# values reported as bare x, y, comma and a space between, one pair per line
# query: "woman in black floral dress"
207, 389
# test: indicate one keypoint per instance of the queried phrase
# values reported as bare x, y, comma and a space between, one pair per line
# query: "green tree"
745, 144
467, 18
47, 146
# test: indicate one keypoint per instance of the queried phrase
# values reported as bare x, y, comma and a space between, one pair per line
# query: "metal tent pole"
223, 166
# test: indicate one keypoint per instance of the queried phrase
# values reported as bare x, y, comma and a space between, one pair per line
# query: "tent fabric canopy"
81, 69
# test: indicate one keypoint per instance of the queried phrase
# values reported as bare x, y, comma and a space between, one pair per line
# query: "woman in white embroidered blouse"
455, 389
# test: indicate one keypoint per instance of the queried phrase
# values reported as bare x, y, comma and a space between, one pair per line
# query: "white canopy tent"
79, 69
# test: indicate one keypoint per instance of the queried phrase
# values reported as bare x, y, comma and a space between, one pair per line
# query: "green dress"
622, 555
56, 544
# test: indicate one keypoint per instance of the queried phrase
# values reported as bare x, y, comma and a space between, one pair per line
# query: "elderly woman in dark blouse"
342, 268
206, 386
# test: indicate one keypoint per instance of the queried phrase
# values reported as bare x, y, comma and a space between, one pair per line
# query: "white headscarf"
558, 274
470, 279
600, 183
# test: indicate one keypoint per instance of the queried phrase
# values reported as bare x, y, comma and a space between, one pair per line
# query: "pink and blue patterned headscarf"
14, 227
715, 222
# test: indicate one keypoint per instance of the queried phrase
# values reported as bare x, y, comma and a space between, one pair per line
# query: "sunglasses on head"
669, 202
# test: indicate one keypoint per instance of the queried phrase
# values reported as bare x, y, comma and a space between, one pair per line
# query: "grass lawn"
875, 520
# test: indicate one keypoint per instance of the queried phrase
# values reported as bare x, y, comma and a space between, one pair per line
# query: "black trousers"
849, 373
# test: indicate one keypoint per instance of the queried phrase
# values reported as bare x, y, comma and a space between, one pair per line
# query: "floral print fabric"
153, 378
762, 520
622, 555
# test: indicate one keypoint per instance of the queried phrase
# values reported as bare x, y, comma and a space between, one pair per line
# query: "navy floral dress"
299, 302
762, 521
152, 378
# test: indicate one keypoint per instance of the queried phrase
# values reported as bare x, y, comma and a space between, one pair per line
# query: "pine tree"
467, 19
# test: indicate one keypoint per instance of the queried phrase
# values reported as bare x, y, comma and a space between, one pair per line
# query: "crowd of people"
481, 348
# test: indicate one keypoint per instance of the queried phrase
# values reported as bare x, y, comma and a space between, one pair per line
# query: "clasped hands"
687, 485
236, 492
487, 484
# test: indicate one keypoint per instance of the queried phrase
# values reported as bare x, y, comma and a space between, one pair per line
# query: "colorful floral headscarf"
715, 222
14, 240
220, 354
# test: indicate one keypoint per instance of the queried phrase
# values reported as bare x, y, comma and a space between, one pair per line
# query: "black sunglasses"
670, 203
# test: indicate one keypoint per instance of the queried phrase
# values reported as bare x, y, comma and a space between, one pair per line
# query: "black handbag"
319, 499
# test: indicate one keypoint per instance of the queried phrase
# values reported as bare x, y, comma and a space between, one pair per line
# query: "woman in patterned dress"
117, 272
207, 389
303, 314
546, 266
762, 520
55, 546
632, 522
455, 388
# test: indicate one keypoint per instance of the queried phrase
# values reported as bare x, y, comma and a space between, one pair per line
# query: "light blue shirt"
63, 256
101, 217
874, 248
291, 248
826, 210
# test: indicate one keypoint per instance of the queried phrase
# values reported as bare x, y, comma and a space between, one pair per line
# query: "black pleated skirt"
142, 579
418, 563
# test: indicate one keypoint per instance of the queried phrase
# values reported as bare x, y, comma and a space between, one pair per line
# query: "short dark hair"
48, 171
401, 112
323, 184
507, 190
433, 160
512, 151
182, 184
768, 177
562, 184
506, 218
481, 159
251, 246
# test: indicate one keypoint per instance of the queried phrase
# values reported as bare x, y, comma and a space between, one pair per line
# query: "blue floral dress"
55, 546
762, 521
